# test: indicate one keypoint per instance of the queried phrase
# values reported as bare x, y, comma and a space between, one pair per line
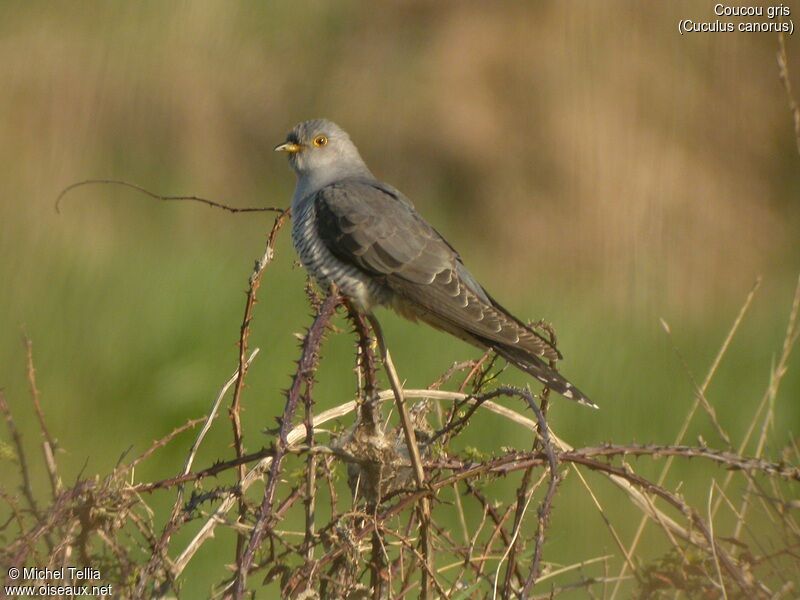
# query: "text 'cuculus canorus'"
366, 237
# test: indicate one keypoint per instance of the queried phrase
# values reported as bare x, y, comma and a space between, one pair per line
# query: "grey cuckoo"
364, 236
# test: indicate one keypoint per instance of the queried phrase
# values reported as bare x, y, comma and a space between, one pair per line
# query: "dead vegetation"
392, 534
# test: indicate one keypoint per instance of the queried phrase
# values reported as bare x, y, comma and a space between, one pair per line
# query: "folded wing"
371, 225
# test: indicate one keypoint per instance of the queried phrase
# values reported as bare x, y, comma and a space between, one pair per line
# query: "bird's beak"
289, 147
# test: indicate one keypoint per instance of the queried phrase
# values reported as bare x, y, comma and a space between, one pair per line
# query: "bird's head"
322, 150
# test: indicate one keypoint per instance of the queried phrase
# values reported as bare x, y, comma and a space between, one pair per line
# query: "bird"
365, 237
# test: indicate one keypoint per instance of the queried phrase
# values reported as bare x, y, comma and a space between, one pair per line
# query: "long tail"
535, 366
523, 358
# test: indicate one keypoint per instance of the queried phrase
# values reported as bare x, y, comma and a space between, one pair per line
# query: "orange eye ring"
320, 141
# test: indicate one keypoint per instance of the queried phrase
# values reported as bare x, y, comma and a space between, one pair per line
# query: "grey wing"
374, 227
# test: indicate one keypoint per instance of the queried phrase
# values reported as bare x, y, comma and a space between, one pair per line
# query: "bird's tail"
535, 366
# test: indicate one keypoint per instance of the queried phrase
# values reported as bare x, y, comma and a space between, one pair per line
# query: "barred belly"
326, 268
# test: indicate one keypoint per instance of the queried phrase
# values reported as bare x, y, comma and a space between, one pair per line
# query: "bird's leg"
413, 452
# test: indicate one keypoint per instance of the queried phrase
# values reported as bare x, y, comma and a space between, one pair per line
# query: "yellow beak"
289, 147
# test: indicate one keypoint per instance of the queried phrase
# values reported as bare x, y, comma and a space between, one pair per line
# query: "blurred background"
594, 168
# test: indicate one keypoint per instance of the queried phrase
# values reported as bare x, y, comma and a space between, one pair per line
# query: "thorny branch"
373, 547
306, 367
460, 470
244, 335
163, 198
16, 437
49, 446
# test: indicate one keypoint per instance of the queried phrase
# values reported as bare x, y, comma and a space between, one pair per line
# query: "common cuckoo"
364, 236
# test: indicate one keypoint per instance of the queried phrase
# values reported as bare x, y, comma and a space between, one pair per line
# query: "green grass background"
594, 168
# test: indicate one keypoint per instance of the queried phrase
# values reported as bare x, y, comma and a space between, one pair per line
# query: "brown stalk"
27, 489
783, 71
306, 367
234, 411
416, 460
49, 446
163, 198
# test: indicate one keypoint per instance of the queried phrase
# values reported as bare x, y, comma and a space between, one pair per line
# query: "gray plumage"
366, 237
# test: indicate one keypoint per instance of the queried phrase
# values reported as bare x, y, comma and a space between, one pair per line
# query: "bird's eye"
320, 141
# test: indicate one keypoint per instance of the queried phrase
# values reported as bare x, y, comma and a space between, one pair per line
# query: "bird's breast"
364, 290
